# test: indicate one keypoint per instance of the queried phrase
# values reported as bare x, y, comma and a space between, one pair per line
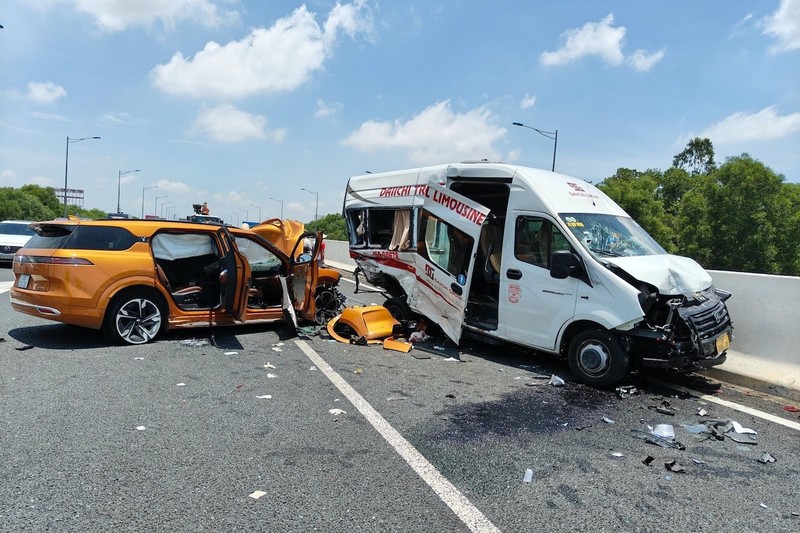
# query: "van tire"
399, 309
135, 317
597, 359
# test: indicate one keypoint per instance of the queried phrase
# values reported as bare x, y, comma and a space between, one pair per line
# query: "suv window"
82, 238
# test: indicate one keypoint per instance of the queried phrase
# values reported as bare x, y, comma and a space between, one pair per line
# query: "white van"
538, 259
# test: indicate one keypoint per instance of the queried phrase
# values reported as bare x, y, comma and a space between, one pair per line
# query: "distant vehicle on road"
13, 236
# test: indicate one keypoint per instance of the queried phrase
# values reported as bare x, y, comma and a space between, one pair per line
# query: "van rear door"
447, 239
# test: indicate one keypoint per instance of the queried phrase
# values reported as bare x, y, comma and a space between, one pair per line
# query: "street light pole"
119, 183
316, 207
259, 211
162, 207
155, 204
549, 134
144, 189
280, 202
66, 166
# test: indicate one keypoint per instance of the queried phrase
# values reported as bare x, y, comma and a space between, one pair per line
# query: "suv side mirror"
564, 264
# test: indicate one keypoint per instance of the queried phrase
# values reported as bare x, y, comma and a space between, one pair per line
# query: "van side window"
386, 229
535, 239
444, 245
357, 227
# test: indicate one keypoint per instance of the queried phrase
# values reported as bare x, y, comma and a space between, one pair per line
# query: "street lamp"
549, 134
119, 183
144, 189
246, 215
66, 166
155, 204
162, 207
316, 208
280, 202
259, 210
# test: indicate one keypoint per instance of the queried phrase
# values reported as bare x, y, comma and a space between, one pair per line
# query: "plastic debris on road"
648, 461
257, 494
626, 391
674, 466
140, 428
766, 458
664, 408
655, 439
269, 365
556, 381
608, 420
665, 431
701, 412
264, 397
528, 476
337, 412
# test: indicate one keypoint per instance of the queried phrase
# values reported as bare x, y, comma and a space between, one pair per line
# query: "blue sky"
245, 103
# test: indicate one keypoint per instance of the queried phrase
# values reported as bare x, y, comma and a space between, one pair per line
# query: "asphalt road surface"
255, 429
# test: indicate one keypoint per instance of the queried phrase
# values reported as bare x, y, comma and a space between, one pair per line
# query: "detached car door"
236, 283
447, 240
304, 274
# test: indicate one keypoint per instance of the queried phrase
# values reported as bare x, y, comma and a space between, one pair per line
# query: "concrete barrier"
765, 352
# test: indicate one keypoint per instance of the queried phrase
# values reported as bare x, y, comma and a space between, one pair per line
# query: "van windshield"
611, 236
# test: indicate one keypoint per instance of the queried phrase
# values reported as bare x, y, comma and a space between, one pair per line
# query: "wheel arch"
572, 330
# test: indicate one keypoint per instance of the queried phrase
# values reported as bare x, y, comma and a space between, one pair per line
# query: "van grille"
708, 319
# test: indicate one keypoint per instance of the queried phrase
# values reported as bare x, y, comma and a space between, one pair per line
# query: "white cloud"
528, 102
784, 25
226, 123
325, 109
765, 125
436, 135
642, 61
45, 92
118, 15
172, 186
53, 117
599, 39
268, 60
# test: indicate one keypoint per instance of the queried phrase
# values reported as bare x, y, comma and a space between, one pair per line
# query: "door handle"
456, 288
513, 273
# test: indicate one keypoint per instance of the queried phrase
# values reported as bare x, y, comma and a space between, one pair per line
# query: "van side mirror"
564, 264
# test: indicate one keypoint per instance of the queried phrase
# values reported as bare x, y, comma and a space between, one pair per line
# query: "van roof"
553, 191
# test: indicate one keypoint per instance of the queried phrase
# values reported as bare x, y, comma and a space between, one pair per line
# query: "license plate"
723, 342
23, 281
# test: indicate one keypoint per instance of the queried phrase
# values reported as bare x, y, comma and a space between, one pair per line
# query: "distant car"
13, 236
133, 279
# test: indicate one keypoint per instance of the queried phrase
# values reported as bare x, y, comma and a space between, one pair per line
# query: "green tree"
697, 157
332, 225
19, 204
749, 210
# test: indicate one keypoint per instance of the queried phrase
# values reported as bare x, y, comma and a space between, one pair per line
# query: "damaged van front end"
686, 324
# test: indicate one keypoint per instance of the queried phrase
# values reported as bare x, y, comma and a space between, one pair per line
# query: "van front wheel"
597, 359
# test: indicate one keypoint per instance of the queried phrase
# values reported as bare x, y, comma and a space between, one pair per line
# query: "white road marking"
5, 286
447, 492
733, 405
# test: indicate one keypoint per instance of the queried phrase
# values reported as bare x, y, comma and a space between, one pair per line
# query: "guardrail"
765, 309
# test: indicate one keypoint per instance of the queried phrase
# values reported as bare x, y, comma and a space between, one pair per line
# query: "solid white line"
447, 492
735, 406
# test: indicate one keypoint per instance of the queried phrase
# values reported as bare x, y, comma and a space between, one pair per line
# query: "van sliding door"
447, 239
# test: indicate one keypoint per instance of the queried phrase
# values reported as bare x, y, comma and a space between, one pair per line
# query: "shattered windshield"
611, 236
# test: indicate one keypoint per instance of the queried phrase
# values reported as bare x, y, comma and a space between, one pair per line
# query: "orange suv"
133, 279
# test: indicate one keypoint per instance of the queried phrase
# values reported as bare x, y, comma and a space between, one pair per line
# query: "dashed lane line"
470, 515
